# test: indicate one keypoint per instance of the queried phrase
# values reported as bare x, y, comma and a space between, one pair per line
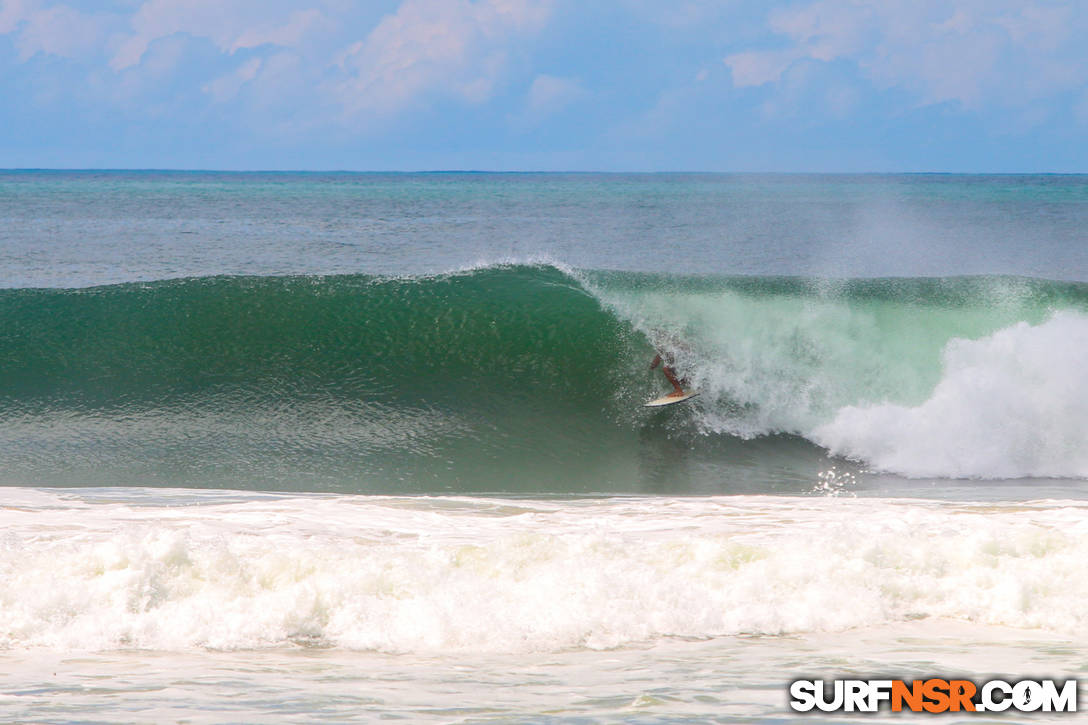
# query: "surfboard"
670, 399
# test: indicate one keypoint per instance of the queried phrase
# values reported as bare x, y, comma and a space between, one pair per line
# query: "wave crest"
535, 373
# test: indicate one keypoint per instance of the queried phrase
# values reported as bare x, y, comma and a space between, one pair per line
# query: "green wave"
483, 333
512, 378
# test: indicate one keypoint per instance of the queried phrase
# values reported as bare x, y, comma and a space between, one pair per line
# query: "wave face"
352, 382
529, 377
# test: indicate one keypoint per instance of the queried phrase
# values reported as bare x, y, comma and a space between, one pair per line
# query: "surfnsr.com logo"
933, 695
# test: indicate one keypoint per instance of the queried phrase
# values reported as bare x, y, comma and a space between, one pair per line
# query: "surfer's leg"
670, 375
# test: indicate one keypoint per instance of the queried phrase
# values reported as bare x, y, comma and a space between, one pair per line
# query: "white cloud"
550, 94
59, 30
672, 105
453, 47
230, 27
547, 96
56, 30
424, 50
289, 34
13, 12
227, 87
758, 67
678, 14
974, 52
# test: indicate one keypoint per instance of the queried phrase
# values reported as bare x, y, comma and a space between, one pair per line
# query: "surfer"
666, 362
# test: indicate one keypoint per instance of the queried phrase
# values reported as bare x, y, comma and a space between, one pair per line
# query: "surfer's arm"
656, 362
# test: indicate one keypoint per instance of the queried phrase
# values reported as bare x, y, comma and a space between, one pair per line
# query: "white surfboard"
670, 399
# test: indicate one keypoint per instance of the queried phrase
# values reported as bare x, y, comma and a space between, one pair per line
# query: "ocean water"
321, 447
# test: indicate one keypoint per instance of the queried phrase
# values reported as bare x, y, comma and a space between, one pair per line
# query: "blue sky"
807, 85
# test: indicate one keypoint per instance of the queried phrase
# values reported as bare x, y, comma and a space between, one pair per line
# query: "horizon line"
135, 169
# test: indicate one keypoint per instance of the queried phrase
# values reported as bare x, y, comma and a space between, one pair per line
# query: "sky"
549, 85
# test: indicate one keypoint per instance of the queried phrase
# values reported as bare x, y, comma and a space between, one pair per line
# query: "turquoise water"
274, 433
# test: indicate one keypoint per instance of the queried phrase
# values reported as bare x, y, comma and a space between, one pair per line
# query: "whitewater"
402, 575
349, 447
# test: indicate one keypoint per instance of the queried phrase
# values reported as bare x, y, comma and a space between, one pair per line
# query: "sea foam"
433, 575
1012, 404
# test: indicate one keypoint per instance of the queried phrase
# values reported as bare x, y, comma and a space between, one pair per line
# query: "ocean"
319, 447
